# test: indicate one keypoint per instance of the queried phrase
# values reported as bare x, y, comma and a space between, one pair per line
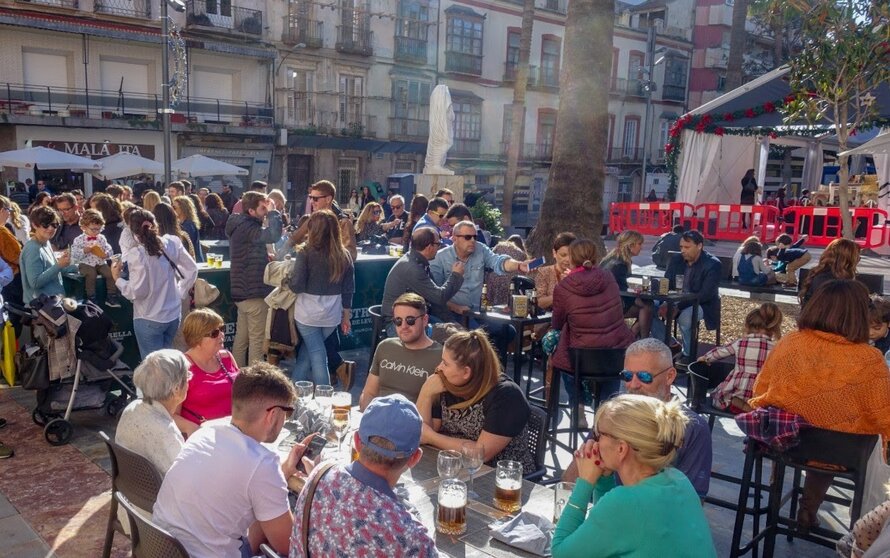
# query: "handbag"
307, 503
9, 346
205, 293
34, 369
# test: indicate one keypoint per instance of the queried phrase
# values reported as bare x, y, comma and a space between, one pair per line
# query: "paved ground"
54, 500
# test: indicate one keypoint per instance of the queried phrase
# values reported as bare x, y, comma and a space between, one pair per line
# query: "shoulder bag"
307, 503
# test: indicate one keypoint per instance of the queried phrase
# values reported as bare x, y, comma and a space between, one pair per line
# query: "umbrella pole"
165, 70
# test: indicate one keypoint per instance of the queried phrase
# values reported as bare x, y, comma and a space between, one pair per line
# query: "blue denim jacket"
470, 293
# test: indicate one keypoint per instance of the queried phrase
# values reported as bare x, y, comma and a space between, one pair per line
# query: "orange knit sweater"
829, 381
10, 249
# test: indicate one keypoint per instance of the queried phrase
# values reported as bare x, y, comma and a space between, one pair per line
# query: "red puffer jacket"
588, 310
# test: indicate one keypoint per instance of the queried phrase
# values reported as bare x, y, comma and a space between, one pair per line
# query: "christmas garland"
717, 124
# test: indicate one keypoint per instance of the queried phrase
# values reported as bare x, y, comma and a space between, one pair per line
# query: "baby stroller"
73, 365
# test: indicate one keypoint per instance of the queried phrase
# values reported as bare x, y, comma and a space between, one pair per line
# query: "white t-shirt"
221, 483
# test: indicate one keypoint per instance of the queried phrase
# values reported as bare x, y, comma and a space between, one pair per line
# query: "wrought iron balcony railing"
463, 63
409, 128
411, 50
126, 8
221, 15
354, 40
300, 30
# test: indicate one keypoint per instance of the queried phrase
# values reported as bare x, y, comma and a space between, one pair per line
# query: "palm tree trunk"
737, 37
574, 196
517, 129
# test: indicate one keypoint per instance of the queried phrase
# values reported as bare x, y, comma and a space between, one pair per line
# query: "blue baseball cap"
393, 418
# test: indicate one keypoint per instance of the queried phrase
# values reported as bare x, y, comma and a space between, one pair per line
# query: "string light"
179, 79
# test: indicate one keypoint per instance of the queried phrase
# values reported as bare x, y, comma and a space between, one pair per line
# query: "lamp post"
165, 110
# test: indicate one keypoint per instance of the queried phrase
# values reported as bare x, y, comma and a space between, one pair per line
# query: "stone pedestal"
429, 184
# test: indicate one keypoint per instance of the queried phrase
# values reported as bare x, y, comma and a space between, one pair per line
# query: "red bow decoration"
92, 238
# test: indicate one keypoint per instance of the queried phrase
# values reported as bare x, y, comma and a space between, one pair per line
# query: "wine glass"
340, 425
449, 464
472, 454
323, 395
304, 393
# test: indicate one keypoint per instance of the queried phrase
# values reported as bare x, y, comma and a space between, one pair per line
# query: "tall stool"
819, 451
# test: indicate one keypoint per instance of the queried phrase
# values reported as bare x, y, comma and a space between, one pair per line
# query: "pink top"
210, 393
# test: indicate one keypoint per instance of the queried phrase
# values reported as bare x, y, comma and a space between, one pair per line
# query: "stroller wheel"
58, 432
39, 418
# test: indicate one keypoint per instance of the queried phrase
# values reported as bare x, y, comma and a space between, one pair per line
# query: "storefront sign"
97, 150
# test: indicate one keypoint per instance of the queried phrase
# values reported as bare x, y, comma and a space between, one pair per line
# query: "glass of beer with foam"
508, 486
451, 517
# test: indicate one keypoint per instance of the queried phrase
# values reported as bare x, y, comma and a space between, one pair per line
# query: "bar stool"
378, 326
830, 450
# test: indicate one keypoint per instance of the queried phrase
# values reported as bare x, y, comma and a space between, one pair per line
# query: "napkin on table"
526, 531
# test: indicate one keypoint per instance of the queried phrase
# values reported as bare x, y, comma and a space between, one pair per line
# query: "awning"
356, 144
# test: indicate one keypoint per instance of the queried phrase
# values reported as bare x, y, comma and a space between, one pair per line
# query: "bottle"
533, 303
510, 298
484, 303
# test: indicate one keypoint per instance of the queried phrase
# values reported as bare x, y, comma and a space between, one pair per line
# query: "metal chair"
268, 552
150, 540
378, 324
135, 477
537, 441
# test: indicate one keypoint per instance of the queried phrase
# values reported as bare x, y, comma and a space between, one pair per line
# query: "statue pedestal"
429, 184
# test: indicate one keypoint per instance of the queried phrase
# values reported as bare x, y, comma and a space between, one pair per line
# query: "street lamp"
166, 111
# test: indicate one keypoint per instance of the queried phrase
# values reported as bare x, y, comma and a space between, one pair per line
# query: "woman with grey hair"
146, 425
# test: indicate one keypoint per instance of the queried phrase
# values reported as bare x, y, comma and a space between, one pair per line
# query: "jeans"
332, 348
684, 322
312, 356
152, 336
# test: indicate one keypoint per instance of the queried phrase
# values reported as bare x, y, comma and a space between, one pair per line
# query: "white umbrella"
127, 164
199, 165
46, 159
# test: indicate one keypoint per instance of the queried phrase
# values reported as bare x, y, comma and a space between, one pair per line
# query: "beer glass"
448, 464
561, 493
508, 486
451, 518
341, 400
323, 396
678, 282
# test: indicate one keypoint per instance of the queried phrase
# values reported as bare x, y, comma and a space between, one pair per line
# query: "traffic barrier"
650, 218
738, 222
823, 224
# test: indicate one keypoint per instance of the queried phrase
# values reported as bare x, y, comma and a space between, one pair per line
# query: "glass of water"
561, 493
678, 282
304, 392
449, 464
323, 396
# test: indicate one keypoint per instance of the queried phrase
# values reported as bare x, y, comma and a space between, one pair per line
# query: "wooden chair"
149, 539
135, 477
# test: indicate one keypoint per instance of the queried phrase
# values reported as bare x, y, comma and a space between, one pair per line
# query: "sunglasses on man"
410, 320
644, 377
316, 198
464, 236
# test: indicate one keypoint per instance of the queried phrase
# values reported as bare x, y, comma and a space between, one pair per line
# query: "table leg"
669, 323
693, 346
517, 354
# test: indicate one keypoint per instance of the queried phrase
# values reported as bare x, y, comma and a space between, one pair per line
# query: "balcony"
221, 16
558, 6
300, 30
463, 63
546, 78
408, 129
673, 93
72, 4
31, 104
630, 87
328, 123
410, 50
531, 151
125, 8
354, 40
625, 155
465, 147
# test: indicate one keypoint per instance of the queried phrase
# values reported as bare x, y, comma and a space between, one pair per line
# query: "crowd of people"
436, 379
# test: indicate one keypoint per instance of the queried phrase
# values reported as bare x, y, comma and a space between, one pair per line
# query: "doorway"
299, 176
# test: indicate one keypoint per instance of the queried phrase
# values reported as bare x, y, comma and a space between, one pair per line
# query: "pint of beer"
341, 400
451, 517
508, 486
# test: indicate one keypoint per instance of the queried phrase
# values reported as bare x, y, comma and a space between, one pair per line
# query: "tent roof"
770, 87
877, 146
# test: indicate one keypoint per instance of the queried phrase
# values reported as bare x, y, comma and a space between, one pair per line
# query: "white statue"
441, 132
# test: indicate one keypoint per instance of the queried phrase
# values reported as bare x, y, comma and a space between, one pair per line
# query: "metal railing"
222, 15
463, 63
632, 87
543, 77
354, 40
329, 123
625, 154
673, 93
126, 8
73, 4
466, 147
136, 108
301, 30
531, 151
409, 128
409, 49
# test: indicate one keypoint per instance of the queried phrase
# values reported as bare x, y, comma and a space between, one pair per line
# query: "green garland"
717, 124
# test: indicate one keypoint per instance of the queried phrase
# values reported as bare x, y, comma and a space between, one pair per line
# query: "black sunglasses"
316, 198
51, 226
396, 206
410, 320
464, 236
377, 212
216, 332
645, 377
285, 408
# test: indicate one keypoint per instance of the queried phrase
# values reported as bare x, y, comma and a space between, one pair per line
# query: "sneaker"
6, 451
112, 301
346, 374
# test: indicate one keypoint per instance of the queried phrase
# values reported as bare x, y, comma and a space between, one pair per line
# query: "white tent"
879, 149
46, 159
199, 165
127, 164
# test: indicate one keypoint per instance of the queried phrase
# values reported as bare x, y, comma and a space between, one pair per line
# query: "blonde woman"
636, 438
189, 222
468, 398
150, 199
368, 224
21, 226
619, 262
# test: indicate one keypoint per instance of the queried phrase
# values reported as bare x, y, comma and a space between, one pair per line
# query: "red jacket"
588, 310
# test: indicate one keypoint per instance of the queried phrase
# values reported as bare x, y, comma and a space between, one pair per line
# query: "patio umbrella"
199, 165
127, 164
46, 159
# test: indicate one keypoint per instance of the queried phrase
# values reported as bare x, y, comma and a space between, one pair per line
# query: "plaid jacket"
750, 353
772, 426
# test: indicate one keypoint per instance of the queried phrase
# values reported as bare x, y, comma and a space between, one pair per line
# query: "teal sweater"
659, 513
40, 272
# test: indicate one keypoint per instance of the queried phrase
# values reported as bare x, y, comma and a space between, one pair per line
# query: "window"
663, 137
546, 132
674, 79
635, 73
506, 128
631, 125
347, 177
132, 77
467, 124
411, 32
410, 107
463, 50
351, 100
404, 165
550, 51
513, 38
299, 99
721, 83
47, 70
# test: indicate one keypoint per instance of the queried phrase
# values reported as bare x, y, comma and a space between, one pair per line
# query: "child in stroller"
75, 364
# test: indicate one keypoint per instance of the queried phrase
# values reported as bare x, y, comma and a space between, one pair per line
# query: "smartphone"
313, 450
536, 263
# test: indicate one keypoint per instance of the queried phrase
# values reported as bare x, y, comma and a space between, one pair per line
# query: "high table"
502, 318
672, 299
